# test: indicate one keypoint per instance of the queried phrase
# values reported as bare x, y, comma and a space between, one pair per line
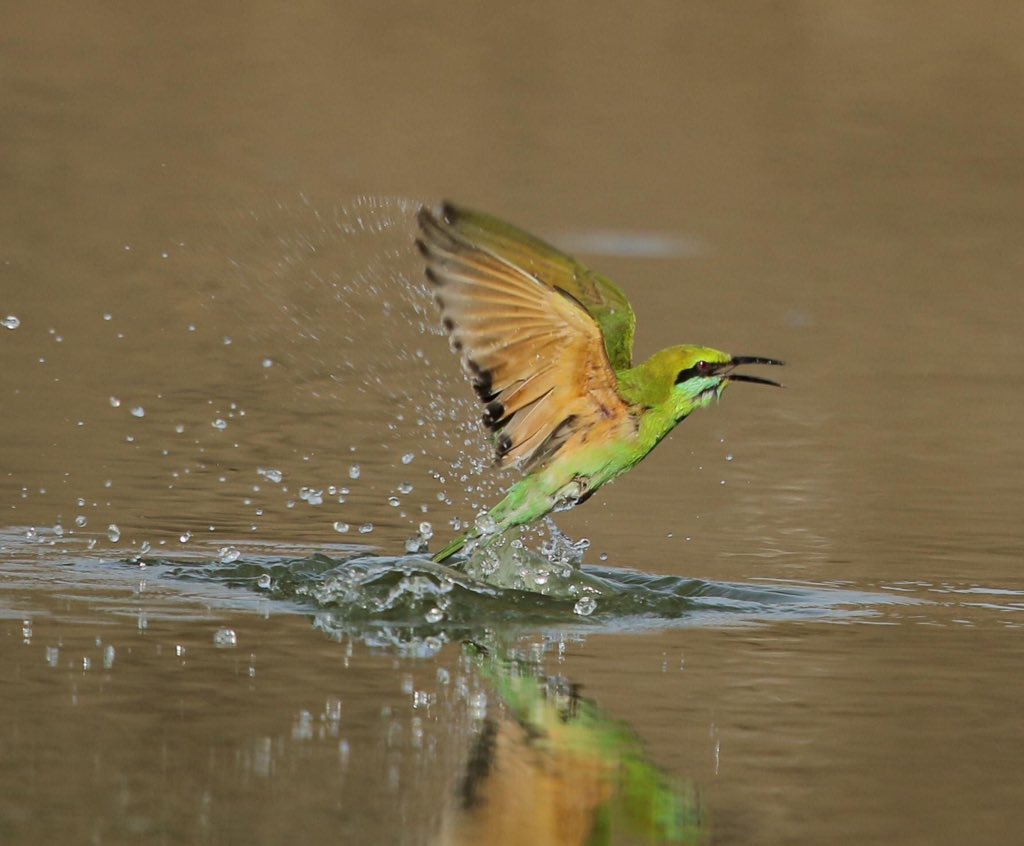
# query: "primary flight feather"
548, 346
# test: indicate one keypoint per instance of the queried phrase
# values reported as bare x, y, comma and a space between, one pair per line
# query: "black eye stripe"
701, 368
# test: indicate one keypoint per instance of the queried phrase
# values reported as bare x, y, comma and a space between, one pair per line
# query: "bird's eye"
701, 368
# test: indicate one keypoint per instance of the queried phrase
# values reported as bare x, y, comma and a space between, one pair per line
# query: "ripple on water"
416, 604
414, 594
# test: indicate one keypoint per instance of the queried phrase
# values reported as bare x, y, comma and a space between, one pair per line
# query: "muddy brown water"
205, 242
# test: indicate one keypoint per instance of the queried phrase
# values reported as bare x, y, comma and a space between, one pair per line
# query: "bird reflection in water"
548, 767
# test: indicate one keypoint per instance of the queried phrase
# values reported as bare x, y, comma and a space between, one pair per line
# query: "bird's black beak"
731, 376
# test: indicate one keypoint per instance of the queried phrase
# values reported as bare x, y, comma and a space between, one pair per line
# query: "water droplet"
58, 530
220, 423
486, 524
332, 711
264, 581
434, 615
267, 362
52, 656
426, 530
728, 457
366, 528
303, 728
225, 639
585, 606
354, 471
109, 654
408, 458
115, 402
405, 488
270, 474
138, 411
10, 322
113, 533
86, 663
228, 555
394, 501
185, 537
339, 526
478, 705
81, 521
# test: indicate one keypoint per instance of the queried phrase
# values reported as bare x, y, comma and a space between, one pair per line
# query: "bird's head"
688, 377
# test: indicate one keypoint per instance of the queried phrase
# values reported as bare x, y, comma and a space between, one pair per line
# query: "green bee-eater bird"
548, 346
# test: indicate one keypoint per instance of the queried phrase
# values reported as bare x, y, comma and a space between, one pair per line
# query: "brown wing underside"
535, 356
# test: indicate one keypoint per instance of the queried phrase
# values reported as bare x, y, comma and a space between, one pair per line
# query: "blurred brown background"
207, 211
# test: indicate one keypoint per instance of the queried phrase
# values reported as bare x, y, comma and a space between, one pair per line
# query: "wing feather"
535, 353
597, 294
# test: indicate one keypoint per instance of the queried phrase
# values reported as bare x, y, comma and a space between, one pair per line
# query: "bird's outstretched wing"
597, 294
534, 352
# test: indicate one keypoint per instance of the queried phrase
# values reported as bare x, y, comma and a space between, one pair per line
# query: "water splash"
362, 391
416, 605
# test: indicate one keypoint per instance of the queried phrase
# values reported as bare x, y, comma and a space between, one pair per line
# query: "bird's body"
547, 344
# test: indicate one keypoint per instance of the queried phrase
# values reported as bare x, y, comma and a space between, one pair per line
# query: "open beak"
731, 376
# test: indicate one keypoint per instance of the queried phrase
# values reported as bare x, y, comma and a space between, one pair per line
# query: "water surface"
226, 407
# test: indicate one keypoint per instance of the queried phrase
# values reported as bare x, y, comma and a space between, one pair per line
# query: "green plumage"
548, 346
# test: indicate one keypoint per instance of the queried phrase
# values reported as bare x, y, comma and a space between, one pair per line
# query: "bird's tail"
501, 521
448, 551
